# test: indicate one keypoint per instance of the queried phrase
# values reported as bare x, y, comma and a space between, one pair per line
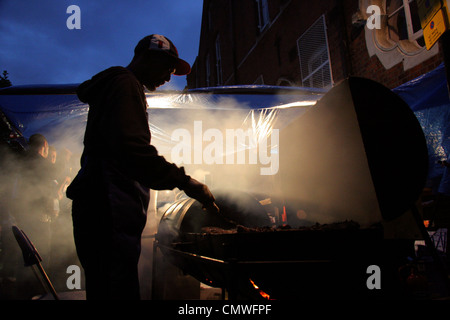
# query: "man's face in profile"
156, 70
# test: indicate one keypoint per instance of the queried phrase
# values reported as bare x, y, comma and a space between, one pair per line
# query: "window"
400, 37
209, 17
263, 14
218, 62
208, 71
403, 21
314, 56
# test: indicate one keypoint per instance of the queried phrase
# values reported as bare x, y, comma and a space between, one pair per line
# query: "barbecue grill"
336, 167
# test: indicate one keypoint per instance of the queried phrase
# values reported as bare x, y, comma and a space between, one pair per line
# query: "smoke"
319, 171
33, 196
226, 140
30, 200
224, 143
325, 176
303, 162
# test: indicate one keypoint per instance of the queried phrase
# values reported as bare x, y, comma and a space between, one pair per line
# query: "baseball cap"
157, 42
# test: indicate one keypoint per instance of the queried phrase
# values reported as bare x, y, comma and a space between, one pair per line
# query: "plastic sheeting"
198, 129
211, 111
428, 97
52, 114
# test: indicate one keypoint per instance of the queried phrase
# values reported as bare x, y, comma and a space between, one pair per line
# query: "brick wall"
248, 53
362, 65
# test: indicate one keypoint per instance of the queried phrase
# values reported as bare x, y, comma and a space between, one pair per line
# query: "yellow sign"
434, 29
427, 9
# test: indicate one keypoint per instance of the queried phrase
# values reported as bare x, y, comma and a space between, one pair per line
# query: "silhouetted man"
118, 166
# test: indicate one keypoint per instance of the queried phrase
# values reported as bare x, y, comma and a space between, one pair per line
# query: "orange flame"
262, 293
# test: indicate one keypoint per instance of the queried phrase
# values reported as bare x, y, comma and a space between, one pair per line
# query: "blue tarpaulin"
428, 97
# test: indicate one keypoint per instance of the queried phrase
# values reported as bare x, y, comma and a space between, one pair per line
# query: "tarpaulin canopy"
56, 112
233, 132
199, 128
428, 97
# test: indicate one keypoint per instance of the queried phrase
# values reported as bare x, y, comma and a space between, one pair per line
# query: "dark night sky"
36, 47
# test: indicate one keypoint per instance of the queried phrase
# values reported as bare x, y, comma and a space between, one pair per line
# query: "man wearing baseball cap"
118, 167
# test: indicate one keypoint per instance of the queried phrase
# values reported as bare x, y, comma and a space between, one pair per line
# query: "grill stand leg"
154, 271
233, 282
440, 264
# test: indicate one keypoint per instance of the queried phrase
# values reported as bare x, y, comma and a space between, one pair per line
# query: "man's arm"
131, 137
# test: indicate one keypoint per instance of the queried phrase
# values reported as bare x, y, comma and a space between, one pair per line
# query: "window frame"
413, 36
263, 14
208, 70
219, 75
308, 79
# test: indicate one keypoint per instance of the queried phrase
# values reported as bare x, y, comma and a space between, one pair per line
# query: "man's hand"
201, 193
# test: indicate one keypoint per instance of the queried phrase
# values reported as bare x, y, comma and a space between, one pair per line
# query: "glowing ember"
262, 293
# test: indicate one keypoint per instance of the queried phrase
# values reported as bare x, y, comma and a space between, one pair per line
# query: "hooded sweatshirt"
117, 131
